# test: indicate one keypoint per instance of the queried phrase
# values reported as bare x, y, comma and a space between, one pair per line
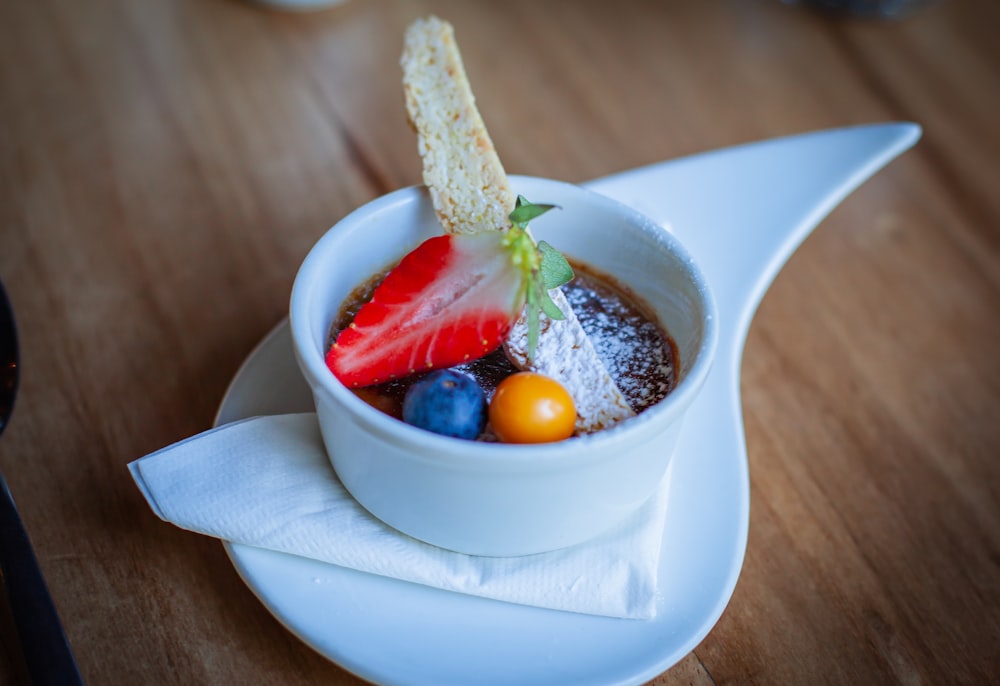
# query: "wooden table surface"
165, 166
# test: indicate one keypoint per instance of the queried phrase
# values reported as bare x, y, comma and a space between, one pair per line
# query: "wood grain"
164, 167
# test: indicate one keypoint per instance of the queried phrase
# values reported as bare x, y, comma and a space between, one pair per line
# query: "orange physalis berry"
532, 408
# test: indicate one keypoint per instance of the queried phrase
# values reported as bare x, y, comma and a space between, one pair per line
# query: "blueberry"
448, 403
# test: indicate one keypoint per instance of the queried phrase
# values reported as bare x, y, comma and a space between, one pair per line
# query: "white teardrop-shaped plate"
741, 212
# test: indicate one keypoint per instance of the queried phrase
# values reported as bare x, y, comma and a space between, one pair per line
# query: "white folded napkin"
267, 482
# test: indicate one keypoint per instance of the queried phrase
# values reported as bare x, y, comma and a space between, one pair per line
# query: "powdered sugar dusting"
566, 353
633, 348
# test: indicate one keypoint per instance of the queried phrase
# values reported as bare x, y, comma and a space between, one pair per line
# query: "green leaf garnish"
555, 270
545, 268
532, 310
549, 307
525, 211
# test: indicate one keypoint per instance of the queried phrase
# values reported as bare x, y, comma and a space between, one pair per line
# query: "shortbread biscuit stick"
471, 193
461, 168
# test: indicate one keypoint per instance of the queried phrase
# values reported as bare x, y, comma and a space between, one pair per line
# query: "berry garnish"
532, 408
452, 299
448, 403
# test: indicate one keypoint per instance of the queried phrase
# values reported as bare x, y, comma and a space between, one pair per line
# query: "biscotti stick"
471, 193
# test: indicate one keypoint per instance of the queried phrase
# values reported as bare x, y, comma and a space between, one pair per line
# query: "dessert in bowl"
488, 498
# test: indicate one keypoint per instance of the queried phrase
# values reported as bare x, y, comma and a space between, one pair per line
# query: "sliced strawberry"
452, 299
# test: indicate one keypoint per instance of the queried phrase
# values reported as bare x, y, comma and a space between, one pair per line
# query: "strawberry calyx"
544, 267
